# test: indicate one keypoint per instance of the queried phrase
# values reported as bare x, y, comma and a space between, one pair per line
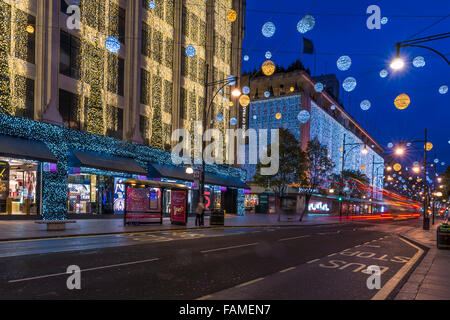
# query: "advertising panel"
4, 180
178, 210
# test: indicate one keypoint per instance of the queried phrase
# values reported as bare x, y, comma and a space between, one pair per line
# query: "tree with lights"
318, 168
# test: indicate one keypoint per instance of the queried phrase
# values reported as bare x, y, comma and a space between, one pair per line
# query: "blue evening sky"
340, 29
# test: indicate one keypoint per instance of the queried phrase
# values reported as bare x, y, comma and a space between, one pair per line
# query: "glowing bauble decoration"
255, 117
152, 5
190, 51
112, 44
402, 101
365, 105
246, 90
415, 164
231, 80
233, 121
344, 63
306, 24
397, 167
349, 84
419, 62
428, 146
231, 15
390, 145
384, 20
278, 116
318, 87
333, 107
244, 100
362, 167
267, 94
219, 117
268, 29
408, 144
384, 73
30, 29
436, 160
291, 89
442, 163
246, 58
303, 116
443, 89
268, 55
268, 68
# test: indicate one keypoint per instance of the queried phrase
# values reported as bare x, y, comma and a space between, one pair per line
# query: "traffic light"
340, 198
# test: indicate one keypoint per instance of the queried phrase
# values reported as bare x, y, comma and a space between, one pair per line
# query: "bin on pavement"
443, 236
217, 218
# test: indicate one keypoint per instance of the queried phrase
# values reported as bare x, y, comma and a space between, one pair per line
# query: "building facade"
116, 86
276, 102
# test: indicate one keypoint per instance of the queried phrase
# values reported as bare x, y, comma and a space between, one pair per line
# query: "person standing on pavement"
200, 211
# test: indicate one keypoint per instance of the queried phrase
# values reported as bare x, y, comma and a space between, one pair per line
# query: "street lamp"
189, 170
399, 151
397, 64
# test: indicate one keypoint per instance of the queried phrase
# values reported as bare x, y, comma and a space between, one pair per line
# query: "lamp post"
398, 62
371, 177
344, 144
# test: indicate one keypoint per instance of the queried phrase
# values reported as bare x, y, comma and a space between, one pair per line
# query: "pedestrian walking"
200, 210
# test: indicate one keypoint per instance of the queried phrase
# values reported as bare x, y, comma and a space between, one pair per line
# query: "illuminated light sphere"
231, 103
415, 163
268, 55
419, 62
318, 87
278, 116
233, 121
246, 58
244, 100
255, 117
384, 73
333, 107
397, 167
365, 105
443, 89
219, 117
344, 63
390, 145
402, 101
303, 116
30, 29
384, 20
152, 5
231, 15
442, 163
428, 146
306, 24
291, 89
362, 167
190, 51
246, 90
267, 94
268, 29
112, 44
349, 84
436, 160
231, 80
268, 68
408, 144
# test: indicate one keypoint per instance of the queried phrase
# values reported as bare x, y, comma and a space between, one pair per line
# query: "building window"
116, 65
69, 61
25, 86
145, 87
144, 126
122, 15
69, 108
146, 38
24, 46
114, 122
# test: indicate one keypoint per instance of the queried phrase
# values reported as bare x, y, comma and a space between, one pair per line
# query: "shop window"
69, 61
18, 187
69, 109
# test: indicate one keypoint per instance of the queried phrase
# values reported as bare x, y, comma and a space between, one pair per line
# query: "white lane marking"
373, 246
248, 283
84, 270
288, 269
293, 238
333, 254
312, 261
394, 281
205, 297
233, 247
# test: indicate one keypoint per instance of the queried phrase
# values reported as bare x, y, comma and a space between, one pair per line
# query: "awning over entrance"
105, 162
179, 173
25, 149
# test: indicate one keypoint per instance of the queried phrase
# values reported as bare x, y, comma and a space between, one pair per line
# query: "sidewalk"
27, 229
431, 279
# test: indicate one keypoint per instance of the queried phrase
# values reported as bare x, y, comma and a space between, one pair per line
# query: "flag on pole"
308, 46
